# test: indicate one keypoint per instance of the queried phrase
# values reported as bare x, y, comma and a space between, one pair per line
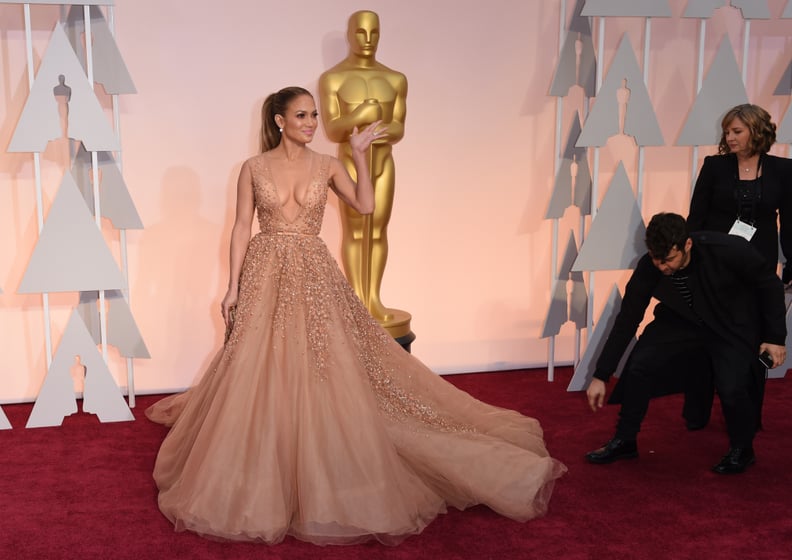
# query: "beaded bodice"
308, 220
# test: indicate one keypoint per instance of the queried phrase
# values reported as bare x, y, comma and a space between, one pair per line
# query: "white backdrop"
470, 250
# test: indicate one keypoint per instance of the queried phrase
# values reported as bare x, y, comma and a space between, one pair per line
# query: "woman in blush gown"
312, 421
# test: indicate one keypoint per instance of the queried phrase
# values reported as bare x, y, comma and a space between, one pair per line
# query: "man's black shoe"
693, 426
735, 461
612, 451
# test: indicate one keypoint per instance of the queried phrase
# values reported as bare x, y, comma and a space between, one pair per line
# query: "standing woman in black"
747, 192
744, 188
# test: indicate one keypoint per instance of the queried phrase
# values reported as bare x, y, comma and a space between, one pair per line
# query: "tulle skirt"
313, 422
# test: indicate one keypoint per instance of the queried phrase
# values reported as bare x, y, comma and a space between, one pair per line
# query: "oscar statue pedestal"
398, 325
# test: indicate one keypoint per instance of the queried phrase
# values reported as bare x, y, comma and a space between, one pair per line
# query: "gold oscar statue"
354, 93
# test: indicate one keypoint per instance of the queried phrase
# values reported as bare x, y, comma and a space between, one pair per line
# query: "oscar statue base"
398, 326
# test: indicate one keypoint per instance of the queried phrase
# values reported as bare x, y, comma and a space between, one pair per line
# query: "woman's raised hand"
361, 140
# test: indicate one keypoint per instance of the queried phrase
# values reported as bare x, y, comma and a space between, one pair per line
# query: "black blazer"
736, 293
713, 206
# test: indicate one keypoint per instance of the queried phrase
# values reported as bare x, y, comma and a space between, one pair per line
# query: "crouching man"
718, 298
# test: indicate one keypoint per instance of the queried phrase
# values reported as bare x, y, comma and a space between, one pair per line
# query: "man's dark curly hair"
664, 232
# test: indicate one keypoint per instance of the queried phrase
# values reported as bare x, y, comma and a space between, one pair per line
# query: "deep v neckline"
308, 183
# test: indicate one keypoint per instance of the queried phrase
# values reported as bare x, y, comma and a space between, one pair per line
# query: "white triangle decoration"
70, 254
101, 395
4, 423
721, 90
640, 120
616, 236
40, 121
56, 398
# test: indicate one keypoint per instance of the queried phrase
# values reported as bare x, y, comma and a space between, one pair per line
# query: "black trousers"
665, 349
699, 389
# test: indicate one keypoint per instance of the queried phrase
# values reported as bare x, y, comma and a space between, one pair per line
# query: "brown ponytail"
276, 104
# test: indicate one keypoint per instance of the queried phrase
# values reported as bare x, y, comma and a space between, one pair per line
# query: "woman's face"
738, 137
300, 121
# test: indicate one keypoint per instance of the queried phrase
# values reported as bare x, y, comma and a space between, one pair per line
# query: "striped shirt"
680, 280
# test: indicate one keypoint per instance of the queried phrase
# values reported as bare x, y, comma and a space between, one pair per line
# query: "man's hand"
778, 353
596, 394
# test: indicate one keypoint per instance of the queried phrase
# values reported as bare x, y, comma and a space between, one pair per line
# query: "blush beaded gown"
313, 422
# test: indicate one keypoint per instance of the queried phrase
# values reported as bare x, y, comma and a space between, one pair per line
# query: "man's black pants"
662, 351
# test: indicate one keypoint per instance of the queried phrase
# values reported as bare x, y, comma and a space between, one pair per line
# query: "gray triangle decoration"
570, 254
784, 86
585, 368
616, 236
70, 254
751, 9
578, 298
577, 63
56, 398
785, 128
557, 312
578, 301
787, 10
640, 120
575, 69
561, 197
122, 330
573, 180
581, 186
721, 90
4, 423
60, 74
109, 68
102, 396
703, 8
564, 305
86, 2
114, 198
627, 8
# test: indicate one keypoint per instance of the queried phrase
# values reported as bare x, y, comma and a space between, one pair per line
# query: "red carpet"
84, 491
